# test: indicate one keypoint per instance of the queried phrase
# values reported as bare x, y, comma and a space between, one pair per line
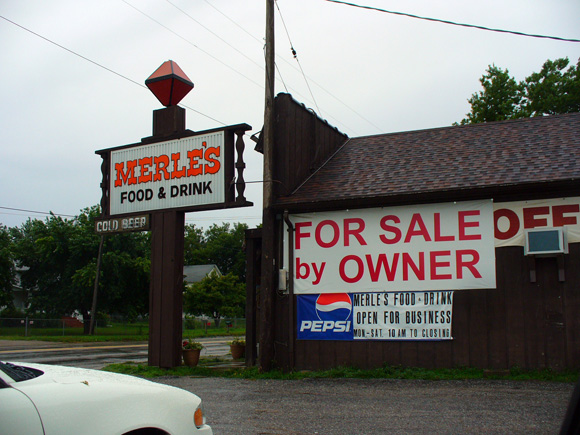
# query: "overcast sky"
368, 72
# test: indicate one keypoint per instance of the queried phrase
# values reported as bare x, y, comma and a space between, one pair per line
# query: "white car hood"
99, 402
74, 375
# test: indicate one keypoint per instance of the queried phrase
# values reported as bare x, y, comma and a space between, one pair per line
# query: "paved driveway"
352, 406
341, 406
93, 355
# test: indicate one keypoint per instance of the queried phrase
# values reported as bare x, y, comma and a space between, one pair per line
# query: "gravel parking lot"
379, 406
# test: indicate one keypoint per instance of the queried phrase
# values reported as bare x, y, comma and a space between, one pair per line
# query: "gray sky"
369, 73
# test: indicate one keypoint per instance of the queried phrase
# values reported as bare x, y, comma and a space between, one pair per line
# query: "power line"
98, 64
437, 20
220, 38
331, 94
214, 34
234, 22
223, 218
193, 45
73, 52
296, 57
37, 212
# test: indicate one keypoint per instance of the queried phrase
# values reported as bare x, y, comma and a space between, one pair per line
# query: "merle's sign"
195, 172
173, 174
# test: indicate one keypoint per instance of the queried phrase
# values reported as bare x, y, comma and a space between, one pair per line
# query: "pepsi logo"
334, 306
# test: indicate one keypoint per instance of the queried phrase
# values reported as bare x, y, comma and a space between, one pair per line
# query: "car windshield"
19, 373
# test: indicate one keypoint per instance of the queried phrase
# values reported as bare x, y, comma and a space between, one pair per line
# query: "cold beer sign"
446, 246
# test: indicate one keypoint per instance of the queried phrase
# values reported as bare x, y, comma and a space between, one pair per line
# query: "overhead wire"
279, 57
235, 23
192, 44
437, 20
72, 52
213, 33
296, 57
211, 218
98, 64
37, 212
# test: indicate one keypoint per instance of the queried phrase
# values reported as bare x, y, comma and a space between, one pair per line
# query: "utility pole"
266, 339
96, 287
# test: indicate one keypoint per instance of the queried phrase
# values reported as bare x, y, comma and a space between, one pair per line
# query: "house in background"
19, 294
195, 273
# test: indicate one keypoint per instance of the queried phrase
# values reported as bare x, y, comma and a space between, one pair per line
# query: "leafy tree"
220, 244
7, 270
193, 245
500, 99
61, 257
216, 296
45, 249
553, 90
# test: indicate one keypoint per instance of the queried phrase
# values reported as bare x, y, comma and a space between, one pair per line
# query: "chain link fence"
36, 327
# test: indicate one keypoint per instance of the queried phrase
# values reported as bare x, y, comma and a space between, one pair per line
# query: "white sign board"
402, 316
446, 246
174, 174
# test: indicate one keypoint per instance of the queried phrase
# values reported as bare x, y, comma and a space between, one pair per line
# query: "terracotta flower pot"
191, 357
238, 350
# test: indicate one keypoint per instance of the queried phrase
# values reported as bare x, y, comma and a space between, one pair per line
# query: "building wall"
531, 325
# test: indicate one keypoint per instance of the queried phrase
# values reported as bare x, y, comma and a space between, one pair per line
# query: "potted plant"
238, 348
191, 350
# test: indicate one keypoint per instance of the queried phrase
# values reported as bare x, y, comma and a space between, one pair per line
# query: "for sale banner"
375, 316
446, 246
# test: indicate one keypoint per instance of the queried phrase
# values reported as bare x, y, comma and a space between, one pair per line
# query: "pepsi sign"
327, 316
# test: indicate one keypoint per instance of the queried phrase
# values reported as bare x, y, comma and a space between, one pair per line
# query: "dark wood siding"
303, 142
531, 325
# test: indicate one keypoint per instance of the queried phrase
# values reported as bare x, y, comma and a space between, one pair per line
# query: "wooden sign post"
172, 172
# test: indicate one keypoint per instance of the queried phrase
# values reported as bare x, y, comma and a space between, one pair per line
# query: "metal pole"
96, 287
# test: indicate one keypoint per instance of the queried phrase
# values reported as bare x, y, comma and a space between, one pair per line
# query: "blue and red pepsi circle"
334, 306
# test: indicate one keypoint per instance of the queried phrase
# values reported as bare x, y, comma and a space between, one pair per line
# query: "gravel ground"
379, 406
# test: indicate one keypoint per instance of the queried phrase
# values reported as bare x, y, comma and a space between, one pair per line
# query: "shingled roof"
451, 162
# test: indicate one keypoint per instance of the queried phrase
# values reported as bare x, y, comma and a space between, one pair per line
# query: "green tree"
500, 99
7, 270
60, 256
193, 245
221, 245
44, 249
553, 90
216, 296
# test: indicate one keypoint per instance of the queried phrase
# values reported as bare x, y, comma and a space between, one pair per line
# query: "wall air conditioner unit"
546, 241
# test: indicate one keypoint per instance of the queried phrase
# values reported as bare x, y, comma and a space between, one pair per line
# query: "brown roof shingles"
532, 150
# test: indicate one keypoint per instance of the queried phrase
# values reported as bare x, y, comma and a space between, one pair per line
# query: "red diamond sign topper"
169, 84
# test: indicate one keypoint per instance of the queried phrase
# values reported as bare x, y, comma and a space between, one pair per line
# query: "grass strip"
222, 332
218, 368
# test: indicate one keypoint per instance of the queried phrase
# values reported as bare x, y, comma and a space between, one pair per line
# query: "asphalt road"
335, 406
379, 406
93, 355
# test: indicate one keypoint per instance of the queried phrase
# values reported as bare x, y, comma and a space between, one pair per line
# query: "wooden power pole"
267, 289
